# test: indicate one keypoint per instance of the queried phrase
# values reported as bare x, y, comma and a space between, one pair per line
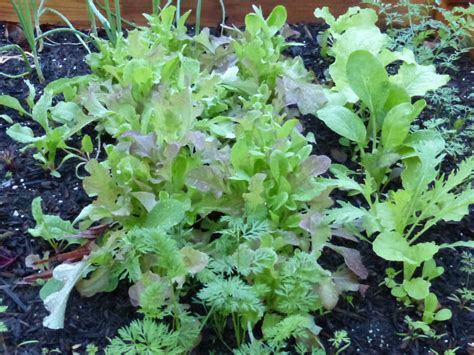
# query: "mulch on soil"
372, 321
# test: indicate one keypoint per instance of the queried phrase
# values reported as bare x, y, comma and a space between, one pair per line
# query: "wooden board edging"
299, 11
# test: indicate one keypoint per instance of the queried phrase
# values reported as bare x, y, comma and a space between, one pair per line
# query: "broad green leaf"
398, 292
368, 79
354, 17
101, 280
387, 56
253, 23
443, 315
147, 199
417, 288
396, 96
51, 286
278, 164
396, 125
354, 39
86, 144
277, 18
21, 134
165, 215
13, 103
418, 79
7, 118
430, 270
66, 113
421, 168
392, 246
344, 122
431, 303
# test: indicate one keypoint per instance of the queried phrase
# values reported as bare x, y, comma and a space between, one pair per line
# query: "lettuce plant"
207, 186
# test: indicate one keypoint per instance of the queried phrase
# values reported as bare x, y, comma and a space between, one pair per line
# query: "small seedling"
467, 263
464, 297
418, 330
92, 349
340, 341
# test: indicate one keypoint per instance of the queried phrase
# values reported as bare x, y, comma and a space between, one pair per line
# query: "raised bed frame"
299, 11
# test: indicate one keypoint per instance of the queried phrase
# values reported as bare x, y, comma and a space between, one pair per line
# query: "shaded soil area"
373, 322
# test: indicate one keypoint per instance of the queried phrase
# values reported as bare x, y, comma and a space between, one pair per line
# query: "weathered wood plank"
74, 10
299, 11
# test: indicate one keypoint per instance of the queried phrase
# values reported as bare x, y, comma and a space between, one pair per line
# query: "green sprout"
340, 341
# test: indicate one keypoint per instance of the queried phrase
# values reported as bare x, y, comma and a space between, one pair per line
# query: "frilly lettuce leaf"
55, 303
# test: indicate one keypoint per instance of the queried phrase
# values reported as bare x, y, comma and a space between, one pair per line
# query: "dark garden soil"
372, 322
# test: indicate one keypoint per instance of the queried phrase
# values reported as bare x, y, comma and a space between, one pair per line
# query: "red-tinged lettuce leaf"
329, 294
353, 260
314, 165
207, 179
310, 221
194, 260
142, 145
309, 97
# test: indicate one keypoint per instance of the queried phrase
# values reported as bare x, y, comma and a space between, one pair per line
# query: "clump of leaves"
419, 330
374, 109
145, 337
440, 42
208, 184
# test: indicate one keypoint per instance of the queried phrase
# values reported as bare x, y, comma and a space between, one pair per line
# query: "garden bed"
373, 321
